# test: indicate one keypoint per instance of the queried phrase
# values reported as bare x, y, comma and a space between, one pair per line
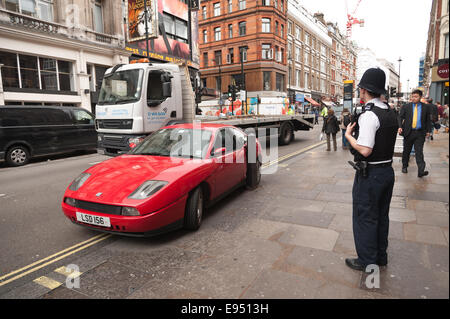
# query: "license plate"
101, 151
93, 220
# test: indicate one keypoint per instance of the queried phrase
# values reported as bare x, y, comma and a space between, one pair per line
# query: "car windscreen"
175, 142
121, 87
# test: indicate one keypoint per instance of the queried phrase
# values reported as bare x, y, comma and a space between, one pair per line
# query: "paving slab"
424, 234
312, 237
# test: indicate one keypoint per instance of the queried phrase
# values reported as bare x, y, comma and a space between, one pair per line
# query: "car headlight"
70, 201
130, 211
79, 181
147, 189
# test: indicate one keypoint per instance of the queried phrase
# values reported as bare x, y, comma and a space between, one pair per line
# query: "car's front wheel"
194, 210
17, 155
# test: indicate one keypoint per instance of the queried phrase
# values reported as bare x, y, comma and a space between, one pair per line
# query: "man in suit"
414, 124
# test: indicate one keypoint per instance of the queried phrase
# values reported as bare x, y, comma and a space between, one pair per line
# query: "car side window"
240, 139
82, 117
57, 117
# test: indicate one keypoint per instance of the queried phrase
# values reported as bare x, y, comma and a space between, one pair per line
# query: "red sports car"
166, 181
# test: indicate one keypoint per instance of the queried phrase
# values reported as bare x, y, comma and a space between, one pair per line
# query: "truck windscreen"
121, 87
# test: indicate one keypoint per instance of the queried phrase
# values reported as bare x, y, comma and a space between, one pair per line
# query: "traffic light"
232, 90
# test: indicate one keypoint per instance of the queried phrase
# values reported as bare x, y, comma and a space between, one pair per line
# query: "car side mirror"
220, 151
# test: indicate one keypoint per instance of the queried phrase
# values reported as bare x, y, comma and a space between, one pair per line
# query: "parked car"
30, 131
166, 181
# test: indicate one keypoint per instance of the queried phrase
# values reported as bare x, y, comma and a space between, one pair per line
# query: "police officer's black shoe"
405, 170
353, 263
425, 173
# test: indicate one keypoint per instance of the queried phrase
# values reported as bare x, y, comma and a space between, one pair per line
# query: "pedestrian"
316, 115
433, 117
372, 138
414, 124
324, 112
330, 128
445, 116
345, 120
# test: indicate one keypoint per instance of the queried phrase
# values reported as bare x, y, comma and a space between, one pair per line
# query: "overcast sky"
392, 29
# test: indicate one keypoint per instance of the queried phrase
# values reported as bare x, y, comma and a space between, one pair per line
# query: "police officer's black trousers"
416, 138
371, 200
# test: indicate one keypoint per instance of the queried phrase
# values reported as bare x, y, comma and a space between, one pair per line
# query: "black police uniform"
372, 190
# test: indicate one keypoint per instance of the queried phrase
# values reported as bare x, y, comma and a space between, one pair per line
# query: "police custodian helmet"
373, 80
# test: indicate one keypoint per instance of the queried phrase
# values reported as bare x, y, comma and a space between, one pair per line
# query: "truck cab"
135, 100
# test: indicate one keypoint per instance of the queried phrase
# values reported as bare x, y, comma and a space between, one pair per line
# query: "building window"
242, 28
242, 4
266, 80
230, 56
243, 53
219, 83
204, 12
306, 58
307, 38
307, 80
297, 54
41, 9
282, 31
217, 9
266, 2
279, 82
289, 27
217, 34
98, 16
277, 27
205, 36
266, 52
282, 5
205, 59
230, 6
275, 3
218, 57
298, 33
265, 25
446, 45
32, 72
230, 31
175, 28
298, 78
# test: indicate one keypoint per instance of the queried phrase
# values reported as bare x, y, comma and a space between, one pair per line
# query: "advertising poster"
172, 41
136, 20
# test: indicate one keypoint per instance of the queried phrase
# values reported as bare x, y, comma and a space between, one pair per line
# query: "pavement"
288, 239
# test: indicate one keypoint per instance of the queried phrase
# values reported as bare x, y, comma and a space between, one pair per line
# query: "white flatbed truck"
139, 98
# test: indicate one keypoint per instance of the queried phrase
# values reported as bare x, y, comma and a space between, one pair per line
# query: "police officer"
372, 138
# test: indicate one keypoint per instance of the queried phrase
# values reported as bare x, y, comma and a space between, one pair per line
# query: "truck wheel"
17, 155
194, 210
253, 175
286, 134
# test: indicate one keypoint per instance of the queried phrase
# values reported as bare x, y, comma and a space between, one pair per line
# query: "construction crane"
351, 20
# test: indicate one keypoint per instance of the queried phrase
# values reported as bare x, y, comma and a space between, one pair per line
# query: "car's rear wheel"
18, 155
194, 210
253, 174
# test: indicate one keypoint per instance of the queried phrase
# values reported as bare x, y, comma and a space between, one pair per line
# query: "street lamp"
398, 90
407, 91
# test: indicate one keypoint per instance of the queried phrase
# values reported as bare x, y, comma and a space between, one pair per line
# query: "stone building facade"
56, 52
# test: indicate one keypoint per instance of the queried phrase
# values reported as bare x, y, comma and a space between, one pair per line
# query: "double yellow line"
285, 157
19, 273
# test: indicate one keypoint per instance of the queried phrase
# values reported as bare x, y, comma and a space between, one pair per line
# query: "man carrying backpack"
345, 120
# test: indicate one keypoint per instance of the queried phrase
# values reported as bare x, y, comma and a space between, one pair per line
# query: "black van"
28, 131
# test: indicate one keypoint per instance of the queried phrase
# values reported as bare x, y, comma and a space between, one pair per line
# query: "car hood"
114, 180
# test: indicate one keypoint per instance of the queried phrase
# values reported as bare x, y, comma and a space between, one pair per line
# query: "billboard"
172, 41
136, 20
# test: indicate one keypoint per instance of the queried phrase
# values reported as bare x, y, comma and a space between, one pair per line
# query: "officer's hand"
400, 130
350, 129
428, 135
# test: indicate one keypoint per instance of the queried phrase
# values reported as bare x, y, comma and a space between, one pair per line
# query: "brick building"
243, 36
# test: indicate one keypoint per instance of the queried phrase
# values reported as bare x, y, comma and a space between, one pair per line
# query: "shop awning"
310, 100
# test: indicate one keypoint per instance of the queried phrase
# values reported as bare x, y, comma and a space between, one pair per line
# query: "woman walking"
330, 127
